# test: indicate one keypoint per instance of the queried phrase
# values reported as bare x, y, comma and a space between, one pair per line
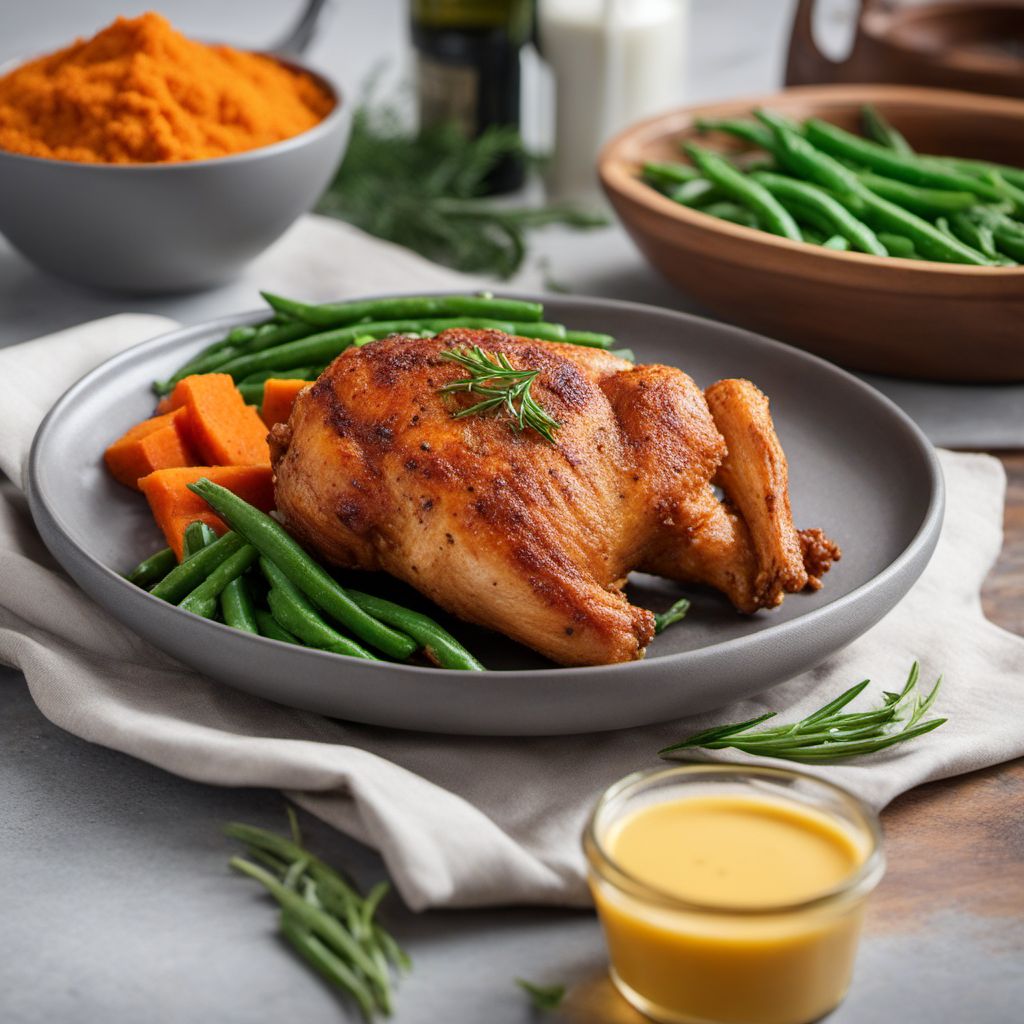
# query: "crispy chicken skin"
535, 539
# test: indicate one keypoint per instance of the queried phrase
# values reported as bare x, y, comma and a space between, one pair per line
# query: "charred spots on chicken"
392, 359
334, 411
564, 380
352, 515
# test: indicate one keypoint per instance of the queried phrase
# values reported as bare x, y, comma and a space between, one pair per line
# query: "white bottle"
614, 62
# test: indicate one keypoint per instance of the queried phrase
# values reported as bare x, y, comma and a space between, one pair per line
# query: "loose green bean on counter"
840, 191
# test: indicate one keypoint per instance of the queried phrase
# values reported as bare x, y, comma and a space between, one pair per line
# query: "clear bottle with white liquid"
614, 62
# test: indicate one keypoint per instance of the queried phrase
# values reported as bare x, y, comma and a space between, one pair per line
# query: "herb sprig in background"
422, 190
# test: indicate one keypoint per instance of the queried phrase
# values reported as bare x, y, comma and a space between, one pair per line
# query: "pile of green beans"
817, 183
298, 601
300, 339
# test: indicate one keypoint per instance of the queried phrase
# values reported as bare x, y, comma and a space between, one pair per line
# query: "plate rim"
921, 544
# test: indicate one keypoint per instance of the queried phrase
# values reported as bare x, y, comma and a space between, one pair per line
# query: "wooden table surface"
969, 829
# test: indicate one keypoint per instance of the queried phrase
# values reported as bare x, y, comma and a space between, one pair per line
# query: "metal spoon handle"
296, 41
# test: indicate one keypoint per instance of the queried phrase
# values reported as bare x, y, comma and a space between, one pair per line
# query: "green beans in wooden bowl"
879, 226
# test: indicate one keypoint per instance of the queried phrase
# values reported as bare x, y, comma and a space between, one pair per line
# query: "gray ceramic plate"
858, 467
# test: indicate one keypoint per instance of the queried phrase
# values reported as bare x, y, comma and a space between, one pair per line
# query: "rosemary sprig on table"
829, 734
324, 917
422, 189
543, 997
503, 388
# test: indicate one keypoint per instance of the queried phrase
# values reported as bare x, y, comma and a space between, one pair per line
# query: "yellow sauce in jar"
734, 940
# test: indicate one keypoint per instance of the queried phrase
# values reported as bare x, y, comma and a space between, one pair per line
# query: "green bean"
433, 306
734, 213
203, 599
273, 542
323, 347
748, 131
327, 963
841, 244
437, 643
589, 339
298, 373
1006, 190
296, 615
541, 331
294, 612
879, 129
979, 236
185, 577
232, 340
236, 607
266, 336
269, 627
669, 174
252, 394
813, 225
800, 157
928, 240
898, 245
837, 142
928, 202
246, 332
693, 193
1009, 241
825, 170
196, 537
153, 569
696, 193
624, 353
204, 363
764, 164
774, 217
839, 219
976, 168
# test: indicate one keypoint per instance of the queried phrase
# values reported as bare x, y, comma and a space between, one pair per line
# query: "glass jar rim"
860, 882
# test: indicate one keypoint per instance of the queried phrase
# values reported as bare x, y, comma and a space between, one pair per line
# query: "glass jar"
684, 962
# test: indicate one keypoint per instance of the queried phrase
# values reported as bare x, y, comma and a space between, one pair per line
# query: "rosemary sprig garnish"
323, 916
662, 620
503, 388
829, 734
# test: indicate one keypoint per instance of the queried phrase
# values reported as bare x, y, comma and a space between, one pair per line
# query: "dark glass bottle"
468, 68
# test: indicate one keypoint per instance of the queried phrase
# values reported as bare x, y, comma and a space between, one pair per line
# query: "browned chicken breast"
535, 539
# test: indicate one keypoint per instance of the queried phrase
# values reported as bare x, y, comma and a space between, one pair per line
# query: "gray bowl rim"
920, 547
339, 112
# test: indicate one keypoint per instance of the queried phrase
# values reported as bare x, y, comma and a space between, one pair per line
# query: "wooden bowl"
906, 318
957, 44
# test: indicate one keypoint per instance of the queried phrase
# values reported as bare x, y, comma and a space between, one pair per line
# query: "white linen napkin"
463, 821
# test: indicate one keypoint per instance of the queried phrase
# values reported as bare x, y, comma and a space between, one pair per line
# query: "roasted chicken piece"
535, 539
